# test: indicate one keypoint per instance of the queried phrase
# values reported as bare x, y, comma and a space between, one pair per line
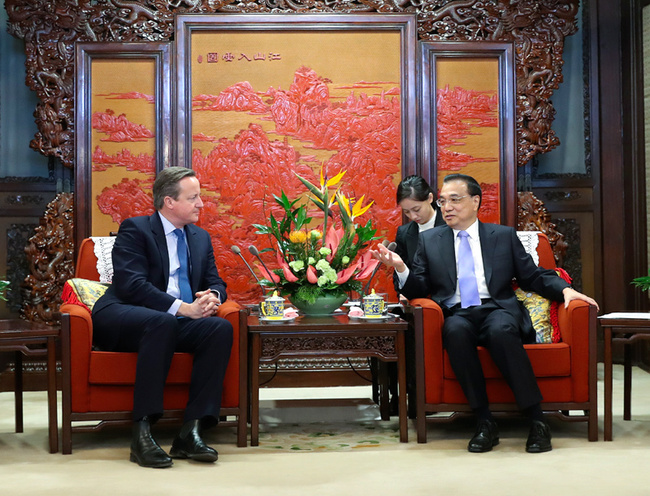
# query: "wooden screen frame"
86, 53
430, 53
405, 24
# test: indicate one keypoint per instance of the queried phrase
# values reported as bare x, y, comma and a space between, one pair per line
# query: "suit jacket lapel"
448, 254
195, 256
161, 243
488, 243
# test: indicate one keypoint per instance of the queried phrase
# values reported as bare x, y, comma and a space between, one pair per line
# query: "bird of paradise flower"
310, 265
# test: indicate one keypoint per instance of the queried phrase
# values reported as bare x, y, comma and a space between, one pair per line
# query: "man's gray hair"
166, 184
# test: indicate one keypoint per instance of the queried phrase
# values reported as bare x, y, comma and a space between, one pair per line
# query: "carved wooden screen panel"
262, 97
468, 126
123, 131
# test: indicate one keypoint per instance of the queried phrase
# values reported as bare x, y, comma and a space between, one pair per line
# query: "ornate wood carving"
50, 29
573, 258
533, 216
50, 254
272, 347
17, 264
317, 363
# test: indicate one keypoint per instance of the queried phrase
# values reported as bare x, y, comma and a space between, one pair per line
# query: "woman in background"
418, 203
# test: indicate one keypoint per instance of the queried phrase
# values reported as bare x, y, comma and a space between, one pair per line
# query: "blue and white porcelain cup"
272, 307
373, 305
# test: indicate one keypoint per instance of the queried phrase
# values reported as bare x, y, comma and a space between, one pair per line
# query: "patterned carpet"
330, 436
346, 451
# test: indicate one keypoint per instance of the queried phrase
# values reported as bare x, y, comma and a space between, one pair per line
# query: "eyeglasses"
453, 201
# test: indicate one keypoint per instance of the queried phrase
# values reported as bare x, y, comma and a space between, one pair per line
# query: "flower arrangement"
316, 261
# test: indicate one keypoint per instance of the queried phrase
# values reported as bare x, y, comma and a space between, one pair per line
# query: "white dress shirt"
174, 264
479, 270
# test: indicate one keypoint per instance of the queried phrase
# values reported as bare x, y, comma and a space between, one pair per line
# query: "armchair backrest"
545, 252
87, 261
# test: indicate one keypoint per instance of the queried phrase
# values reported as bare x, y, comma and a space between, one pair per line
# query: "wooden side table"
28, 338
329, 336
625, 328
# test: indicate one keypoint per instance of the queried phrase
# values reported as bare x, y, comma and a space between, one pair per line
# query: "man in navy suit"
165, 292
481, 309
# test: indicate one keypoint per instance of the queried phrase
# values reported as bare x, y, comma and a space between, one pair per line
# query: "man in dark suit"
467, 267
165, 292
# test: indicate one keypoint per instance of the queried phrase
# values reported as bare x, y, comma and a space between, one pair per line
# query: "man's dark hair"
473, 187
166, 184
415, 188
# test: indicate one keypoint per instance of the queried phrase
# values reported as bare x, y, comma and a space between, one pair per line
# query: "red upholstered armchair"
98, 385
565, 371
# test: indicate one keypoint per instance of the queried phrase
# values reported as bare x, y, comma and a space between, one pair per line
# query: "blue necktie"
183, 271
466, 275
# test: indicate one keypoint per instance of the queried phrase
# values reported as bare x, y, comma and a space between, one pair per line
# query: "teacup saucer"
271, 319
370, 317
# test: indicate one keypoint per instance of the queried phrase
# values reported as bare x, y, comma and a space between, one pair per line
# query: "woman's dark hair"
415, 188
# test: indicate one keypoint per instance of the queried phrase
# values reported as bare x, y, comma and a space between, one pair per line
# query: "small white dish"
271, 319
373, 317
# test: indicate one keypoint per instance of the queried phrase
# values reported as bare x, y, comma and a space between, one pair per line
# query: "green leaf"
312, 189
345, 218
301, 217
262, 229
642, 282
319, 204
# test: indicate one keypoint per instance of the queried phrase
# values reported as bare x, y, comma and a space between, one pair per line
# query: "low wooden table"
31, 339
329, 336
625, 328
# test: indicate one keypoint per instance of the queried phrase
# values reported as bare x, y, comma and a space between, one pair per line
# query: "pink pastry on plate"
290, 313
355, 312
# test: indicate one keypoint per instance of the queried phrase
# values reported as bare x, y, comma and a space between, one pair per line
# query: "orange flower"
298, 237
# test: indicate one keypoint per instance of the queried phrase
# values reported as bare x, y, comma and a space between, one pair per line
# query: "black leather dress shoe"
189, 444
145, 451
486, 437
539, 438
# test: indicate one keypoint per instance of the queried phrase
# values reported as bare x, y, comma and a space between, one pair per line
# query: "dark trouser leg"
210, 340
500, 335
154, 359
152, 335
460, 339
495, 328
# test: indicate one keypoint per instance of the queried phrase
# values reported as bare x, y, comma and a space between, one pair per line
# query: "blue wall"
568, 100
17, 104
